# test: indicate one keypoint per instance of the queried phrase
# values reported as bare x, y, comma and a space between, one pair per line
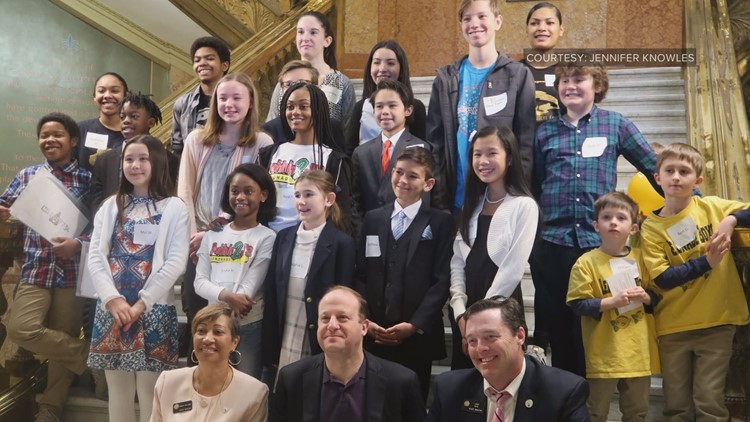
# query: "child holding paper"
575, 162
46, 314
606, 290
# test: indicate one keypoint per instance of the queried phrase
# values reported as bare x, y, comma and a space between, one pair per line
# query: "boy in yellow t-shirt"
606, 290
685, 247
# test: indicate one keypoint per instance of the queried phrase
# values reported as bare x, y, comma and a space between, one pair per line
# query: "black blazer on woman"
332, 263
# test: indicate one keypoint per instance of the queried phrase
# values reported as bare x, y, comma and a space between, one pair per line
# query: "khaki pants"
47, 322
633, 397
694, 365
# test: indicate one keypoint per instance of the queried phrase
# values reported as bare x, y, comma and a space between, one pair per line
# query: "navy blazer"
546, 394
332, 263
391, 392
372, 189
423, 272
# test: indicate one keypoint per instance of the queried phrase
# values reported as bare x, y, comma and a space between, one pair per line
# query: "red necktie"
385, 156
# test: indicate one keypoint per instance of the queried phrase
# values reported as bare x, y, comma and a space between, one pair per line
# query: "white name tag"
333, 94
623, 265
495, 103
300, 265
96, 140
593, 147
549, 80
372, 247
145, 233
683, 232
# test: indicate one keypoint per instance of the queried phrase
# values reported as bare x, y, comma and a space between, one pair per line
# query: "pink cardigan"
194, 156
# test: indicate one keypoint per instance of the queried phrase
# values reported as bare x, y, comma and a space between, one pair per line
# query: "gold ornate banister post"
717, 122
718, 127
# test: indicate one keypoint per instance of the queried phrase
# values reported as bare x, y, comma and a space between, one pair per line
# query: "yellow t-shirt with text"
617, 345
713, 299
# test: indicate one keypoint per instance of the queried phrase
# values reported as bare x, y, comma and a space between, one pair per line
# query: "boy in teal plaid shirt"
575, 162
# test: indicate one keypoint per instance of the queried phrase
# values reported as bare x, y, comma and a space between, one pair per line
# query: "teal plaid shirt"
569, 184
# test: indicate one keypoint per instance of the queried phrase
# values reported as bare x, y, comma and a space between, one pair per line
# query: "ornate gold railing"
717, 121
718, 127
261, 57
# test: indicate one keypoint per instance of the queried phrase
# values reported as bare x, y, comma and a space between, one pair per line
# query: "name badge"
300, 265
549, 80
333, 94
623, 265
593, 147
476, 407
372, 247
145, 233
96, 140
181, 407
495, 103
683, 232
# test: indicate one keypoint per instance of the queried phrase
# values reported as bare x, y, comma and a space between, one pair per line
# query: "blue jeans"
249, 346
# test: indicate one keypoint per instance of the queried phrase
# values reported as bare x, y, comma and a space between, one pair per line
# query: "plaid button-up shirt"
569, 183
40, 266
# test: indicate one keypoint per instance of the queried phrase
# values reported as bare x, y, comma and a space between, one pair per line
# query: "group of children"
267, 221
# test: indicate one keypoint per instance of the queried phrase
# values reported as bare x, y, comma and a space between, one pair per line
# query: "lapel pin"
466, 403
529, 403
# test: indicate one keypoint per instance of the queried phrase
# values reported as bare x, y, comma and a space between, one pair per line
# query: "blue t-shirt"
469, 89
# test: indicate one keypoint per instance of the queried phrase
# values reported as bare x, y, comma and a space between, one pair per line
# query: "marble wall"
429, 29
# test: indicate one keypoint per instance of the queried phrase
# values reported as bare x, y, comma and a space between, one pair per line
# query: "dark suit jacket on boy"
391, 392
546, 394
419, 288
373, 189
332, 263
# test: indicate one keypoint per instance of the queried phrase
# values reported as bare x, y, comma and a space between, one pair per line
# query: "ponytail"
324, 181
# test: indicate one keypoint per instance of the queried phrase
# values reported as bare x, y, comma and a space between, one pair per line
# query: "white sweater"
243, 273
170, 253
509, 241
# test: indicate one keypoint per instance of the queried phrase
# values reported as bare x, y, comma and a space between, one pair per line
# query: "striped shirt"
574, 165
40, 266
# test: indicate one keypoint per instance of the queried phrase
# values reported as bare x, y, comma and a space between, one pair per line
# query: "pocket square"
426, 234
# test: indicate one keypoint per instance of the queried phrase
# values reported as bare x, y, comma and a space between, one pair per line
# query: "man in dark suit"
344, 383
506, 384
404, 273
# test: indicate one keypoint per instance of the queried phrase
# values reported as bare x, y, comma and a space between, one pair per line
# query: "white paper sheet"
46, 207
625, 272
85, 284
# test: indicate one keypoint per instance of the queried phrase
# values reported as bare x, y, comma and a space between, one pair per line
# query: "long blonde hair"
215, 124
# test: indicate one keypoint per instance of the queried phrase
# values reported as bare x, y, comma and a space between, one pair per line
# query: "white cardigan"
509, 241
170, 253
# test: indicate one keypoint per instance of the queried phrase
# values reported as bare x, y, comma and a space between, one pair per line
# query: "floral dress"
151, 342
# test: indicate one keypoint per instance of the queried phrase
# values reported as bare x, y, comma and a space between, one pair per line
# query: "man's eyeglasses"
289, 84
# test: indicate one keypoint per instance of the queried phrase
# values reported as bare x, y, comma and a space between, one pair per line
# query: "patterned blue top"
569, 182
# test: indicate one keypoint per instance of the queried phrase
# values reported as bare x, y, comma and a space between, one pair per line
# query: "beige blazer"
244, 400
